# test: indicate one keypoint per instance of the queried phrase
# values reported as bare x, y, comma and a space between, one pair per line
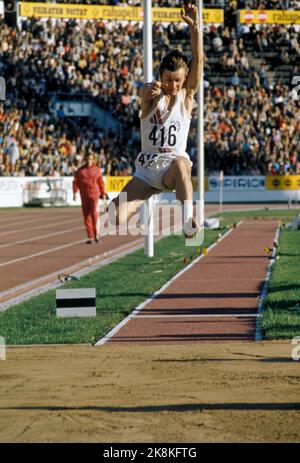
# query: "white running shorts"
152, 168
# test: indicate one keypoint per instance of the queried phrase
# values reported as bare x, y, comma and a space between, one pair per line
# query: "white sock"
187, 211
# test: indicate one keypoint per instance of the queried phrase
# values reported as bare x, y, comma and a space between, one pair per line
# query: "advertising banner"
116, 184
281, 182
120, 13
269, 17
238, 183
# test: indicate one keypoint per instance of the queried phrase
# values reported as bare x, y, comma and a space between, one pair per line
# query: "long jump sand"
233, 392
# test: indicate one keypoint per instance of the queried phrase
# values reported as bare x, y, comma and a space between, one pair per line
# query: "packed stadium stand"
252, 121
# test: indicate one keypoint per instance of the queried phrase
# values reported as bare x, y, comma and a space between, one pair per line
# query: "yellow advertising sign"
195, 183
283, 182
120, 13
173, 15
116, 184
269, 17
213, 15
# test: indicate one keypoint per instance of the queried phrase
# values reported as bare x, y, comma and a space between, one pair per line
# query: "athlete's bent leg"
178, 178
131, 197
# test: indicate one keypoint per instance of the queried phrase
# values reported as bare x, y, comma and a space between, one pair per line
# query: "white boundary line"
30, 240
117, 328
121, 252
87, 269
132, 247
232, 315
37, 254
48, 225
258, 333
20, 221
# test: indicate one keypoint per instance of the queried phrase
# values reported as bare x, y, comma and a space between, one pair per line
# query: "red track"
214, 300
36, 245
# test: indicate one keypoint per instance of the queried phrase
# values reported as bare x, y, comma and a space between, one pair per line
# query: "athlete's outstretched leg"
131, 197
178, 178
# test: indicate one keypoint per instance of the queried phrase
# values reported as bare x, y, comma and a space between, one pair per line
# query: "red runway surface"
216, 299
38, 244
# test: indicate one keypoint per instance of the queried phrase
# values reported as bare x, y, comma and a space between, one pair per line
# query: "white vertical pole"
221, 177
200, 133
148, 75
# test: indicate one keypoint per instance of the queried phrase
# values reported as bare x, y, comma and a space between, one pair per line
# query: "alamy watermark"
167, 220
2, 348
296, 349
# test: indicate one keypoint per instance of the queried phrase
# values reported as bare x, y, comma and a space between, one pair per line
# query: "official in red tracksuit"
88, 180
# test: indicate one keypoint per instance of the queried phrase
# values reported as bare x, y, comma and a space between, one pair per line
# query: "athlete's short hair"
174, 61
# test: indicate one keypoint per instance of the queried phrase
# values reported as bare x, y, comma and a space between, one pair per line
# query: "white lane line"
258, 332
69, 230
37, 254
109, 257
6, 221
143, 304
201, 280
24, 222
116, 254
71, 269
49, 225
137, 317
106, 257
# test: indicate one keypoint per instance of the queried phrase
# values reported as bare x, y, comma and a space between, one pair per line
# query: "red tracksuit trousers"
91, 216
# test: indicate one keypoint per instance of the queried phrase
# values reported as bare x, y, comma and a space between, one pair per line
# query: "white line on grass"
142, 305
258, 333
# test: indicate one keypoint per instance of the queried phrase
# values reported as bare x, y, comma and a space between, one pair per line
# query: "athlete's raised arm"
189, 15
149, 96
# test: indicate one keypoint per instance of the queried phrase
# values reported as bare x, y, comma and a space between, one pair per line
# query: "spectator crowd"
251, 126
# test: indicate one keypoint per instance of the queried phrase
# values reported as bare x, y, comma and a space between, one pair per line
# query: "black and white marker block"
76, 302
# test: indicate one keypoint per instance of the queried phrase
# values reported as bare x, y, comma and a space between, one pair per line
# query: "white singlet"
164, 137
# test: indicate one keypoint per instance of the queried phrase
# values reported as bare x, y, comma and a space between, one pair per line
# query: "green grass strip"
286, 215
281, 316
120, 287
124, 284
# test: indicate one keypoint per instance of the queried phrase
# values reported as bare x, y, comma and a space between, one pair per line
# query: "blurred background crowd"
252, 115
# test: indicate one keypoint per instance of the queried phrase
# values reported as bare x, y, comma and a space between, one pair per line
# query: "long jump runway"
215, 299
38, 244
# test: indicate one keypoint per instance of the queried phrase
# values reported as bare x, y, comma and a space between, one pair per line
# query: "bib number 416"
146, 160
158, 136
